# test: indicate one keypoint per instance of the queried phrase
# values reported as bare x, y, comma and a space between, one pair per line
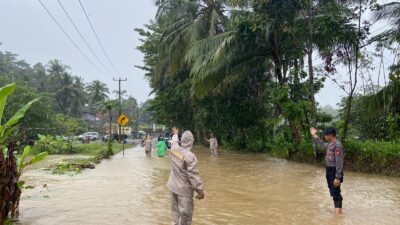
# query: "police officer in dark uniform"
334, 163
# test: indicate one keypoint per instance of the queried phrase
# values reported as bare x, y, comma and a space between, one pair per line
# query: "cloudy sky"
26, 29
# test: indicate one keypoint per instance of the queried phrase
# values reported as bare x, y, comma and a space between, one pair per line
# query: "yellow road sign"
122, 120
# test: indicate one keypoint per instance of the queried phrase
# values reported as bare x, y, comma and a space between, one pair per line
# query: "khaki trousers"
182, 209
214, 152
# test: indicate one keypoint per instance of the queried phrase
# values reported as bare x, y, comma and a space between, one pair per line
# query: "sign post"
122, 120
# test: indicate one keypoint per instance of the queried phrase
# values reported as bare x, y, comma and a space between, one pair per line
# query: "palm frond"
390, 12
384, 101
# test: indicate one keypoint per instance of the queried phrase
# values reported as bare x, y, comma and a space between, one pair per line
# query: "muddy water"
240, 189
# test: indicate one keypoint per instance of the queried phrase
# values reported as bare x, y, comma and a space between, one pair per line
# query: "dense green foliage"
65, 99
241, 69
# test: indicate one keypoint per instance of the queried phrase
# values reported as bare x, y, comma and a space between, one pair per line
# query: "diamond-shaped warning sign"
122, 120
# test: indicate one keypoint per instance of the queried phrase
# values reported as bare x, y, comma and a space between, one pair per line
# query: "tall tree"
98, 91
70, 97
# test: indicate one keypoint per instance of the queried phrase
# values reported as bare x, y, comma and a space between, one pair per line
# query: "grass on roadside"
96, 152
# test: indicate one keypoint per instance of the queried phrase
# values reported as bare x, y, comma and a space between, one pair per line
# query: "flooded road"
241, 189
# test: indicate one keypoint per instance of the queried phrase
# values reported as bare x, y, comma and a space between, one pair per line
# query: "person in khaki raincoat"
213, 146
184, 179
148, 146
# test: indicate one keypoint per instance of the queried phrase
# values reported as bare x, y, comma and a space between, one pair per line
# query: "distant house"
88, 116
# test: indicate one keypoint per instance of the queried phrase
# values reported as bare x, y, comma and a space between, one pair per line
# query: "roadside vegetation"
68, 105
88, 155
249, 71
12, 165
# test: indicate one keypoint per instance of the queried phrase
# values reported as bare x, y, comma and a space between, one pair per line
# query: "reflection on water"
240, 189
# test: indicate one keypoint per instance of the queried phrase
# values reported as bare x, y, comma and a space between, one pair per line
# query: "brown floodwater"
241, 189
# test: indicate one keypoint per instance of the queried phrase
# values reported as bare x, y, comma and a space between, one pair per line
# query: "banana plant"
9, 127
10, 169
44, 142
21, 164
58, 143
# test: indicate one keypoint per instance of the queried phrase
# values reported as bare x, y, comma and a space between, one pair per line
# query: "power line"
82, 37
69, 38
97, 37
379, 37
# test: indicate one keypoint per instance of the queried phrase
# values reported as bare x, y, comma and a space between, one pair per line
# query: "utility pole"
120, 104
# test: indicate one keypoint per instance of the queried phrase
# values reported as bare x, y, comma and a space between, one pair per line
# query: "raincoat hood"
187, 139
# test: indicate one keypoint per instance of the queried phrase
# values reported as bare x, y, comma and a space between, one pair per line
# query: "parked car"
91, 136
116, 136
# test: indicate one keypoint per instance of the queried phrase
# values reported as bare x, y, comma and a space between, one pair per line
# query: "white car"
92, 136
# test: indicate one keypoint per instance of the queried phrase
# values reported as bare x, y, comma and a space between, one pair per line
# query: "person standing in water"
213, 145
148, 146
184, 179
161, 147
334, 164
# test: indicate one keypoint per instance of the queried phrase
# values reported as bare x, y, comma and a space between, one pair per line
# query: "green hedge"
373, 156
365, 156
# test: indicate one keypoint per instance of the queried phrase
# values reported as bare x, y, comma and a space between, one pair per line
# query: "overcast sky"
26, 29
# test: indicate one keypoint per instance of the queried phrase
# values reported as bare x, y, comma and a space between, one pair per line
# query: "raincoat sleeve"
194, 175
175, 142
320, 142
339, 159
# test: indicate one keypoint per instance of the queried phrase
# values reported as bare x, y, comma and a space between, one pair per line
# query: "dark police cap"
330, 131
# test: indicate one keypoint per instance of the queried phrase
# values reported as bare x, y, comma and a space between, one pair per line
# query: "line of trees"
64, 98
246, 70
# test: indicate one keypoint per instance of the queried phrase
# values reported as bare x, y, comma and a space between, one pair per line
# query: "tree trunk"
347, 116
312, 89
353, 84
9, 191
295, 131
310, 66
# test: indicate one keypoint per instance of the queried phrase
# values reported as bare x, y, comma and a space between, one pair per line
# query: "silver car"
92, 136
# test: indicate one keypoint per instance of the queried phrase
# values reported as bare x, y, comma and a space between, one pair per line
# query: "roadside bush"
373, 156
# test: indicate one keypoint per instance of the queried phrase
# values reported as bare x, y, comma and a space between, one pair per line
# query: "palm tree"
185, 22
108, 106
56, 70
391, 13
80, 96
70, 97
387, 100
98, 91
276, 49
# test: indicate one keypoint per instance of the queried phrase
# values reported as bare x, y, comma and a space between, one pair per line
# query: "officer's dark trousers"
334, 191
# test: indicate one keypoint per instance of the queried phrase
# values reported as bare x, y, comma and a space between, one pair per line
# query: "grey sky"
26, 29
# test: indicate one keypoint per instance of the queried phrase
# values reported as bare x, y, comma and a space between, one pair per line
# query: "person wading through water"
184, 179
334, 164
213, 145
161, 147
148, 146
